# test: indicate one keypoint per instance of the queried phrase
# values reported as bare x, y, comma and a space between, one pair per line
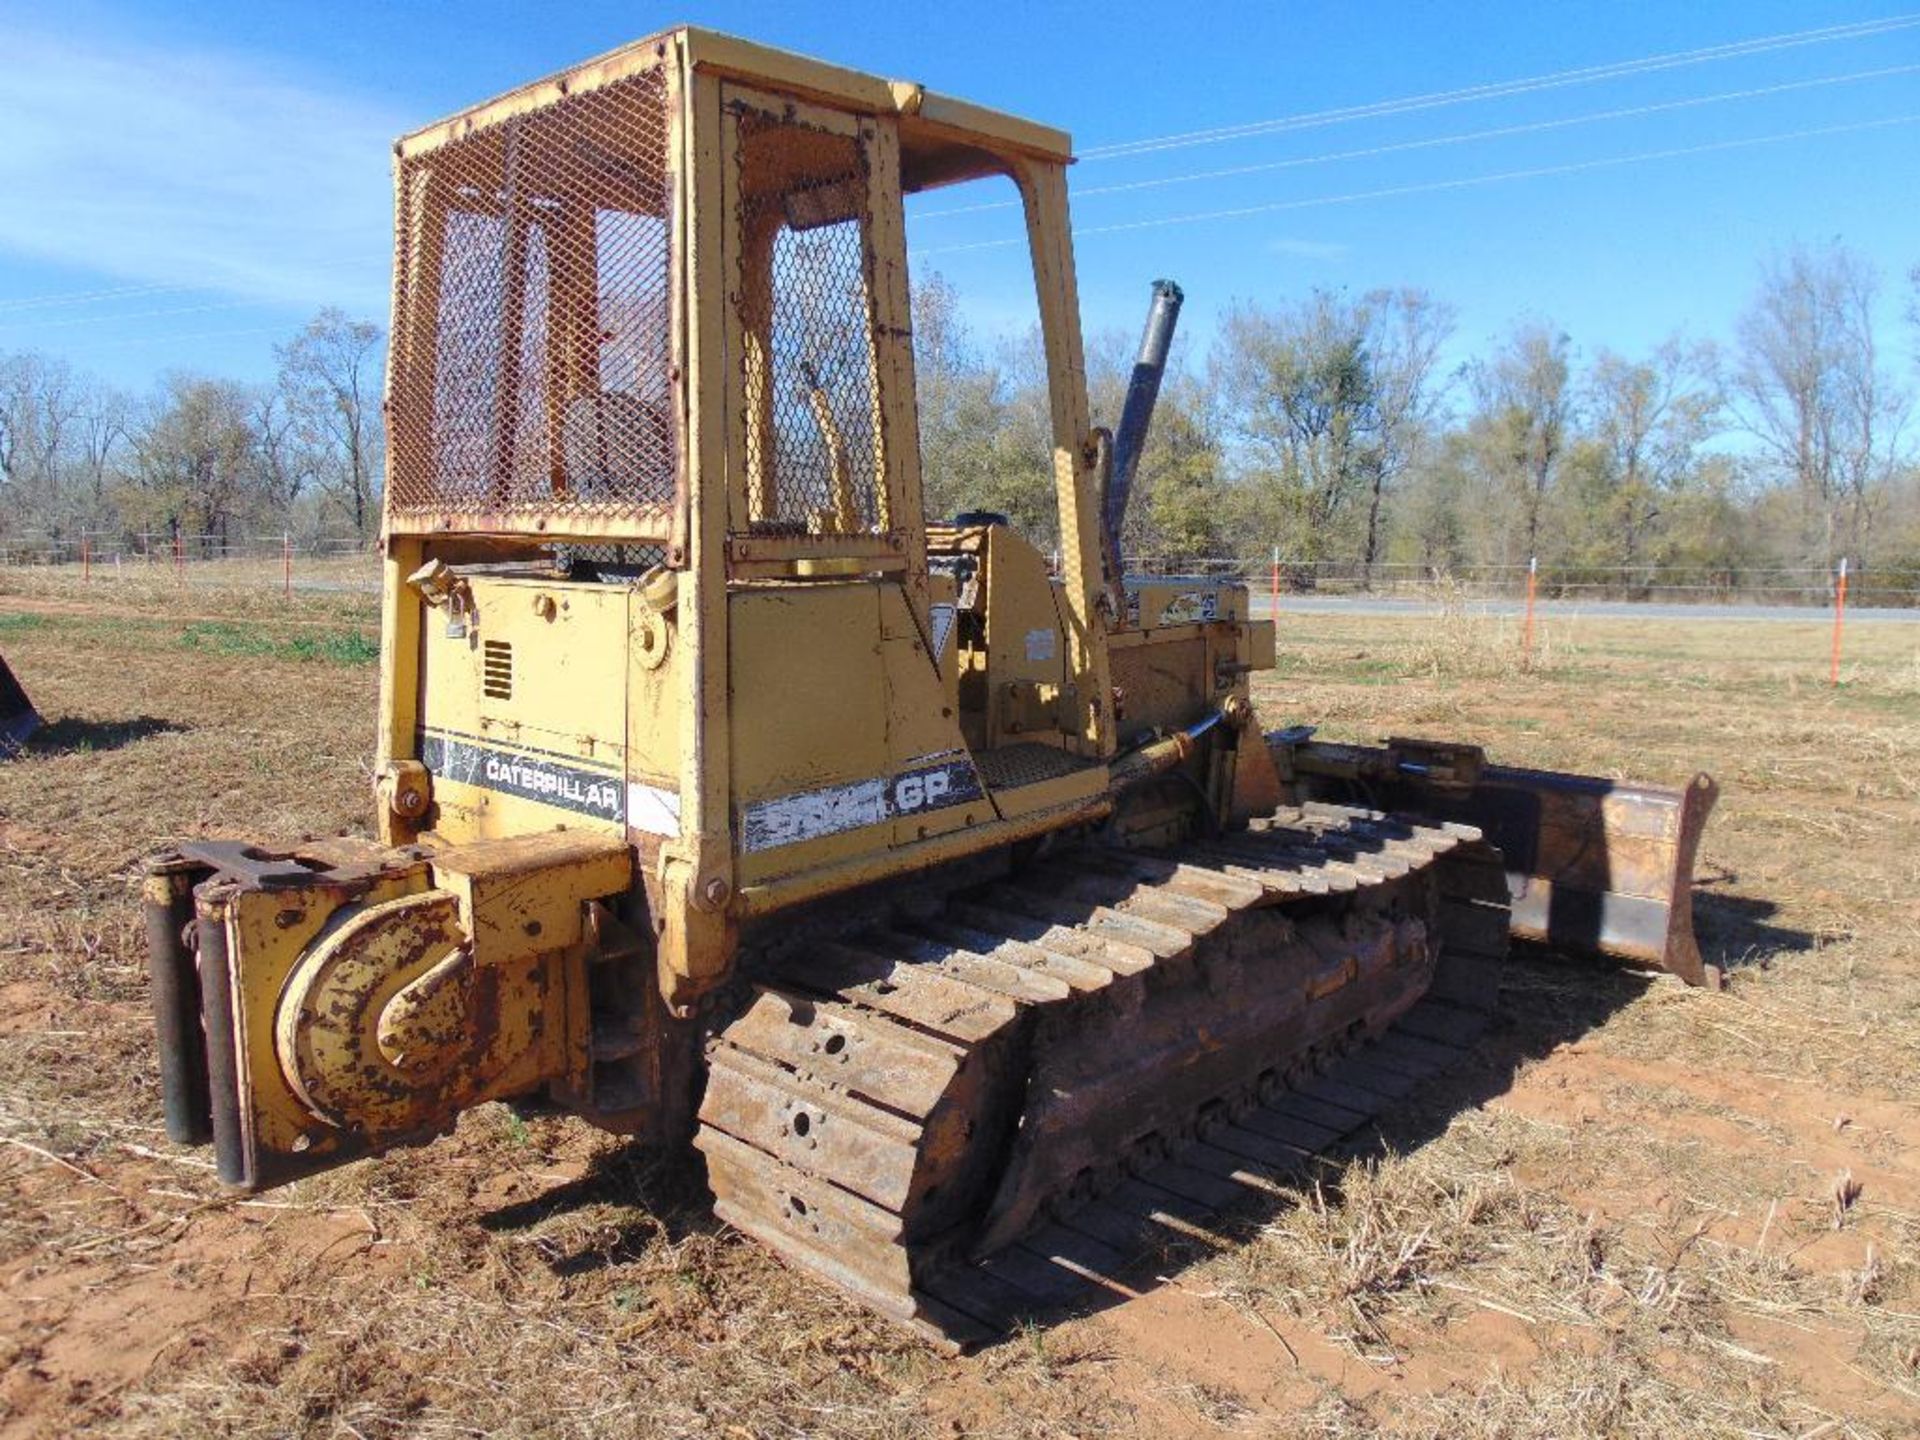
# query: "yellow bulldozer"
948, 900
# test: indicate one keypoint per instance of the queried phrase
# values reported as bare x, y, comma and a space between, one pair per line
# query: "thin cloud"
194, 169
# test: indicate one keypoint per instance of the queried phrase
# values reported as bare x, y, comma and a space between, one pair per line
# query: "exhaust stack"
1143, 391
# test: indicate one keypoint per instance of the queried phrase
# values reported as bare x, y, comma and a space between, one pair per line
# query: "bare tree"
1649, 419
39, 403
1913, 310
193, 469
1813, 393
1406, 329
1302, 410
1525, 414
101, 434
284, 458
329, 377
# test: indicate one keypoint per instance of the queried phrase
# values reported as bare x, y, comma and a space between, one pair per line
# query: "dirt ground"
1641, 1211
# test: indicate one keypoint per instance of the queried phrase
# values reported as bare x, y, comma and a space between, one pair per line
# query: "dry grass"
1647, 1211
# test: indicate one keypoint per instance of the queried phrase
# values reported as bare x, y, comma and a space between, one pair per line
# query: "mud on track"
1639, 1210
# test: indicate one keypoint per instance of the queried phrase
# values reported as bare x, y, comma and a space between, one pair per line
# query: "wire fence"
288, 561
1812, 586
108, 548
292, 558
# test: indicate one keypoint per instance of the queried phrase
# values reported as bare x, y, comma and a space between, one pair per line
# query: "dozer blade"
1594, 866
18, 718
971, 1116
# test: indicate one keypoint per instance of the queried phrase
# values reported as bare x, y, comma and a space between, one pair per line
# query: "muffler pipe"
1143, 391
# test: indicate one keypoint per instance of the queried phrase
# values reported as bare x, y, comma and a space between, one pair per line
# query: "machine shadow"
1547, 1000
70, 736
657, 1194
1736, 931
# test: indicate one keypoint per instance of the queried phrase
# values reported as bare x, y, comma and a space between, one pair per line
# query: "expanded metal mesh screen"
812, 395
532, 368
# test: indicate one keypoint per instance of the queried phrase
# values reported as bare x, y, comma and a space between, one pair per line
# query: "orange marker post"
1526, 637
1839, 620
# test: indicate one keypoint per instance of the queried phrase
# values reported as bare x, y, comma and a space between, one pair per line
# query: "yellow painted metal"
1261, 653
691, 877
372, 1010
898, 418
267, 934
656, 681
769, 896
806, 714
726, 55
784, 708
1161, 601
820, 732
1027, 649
399, 677
524, 896
1090, 603
529, 672
384, 1025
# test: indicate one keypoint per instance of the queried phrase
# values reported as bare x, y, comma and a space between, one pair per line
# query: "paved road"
1569, 609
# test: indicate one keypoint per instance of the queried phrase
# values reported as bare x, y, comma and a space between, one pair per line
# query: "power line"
91, 297
1433, 186
1584, 75
1499, 132
138, 315
173, 336
122, 292
1124, 149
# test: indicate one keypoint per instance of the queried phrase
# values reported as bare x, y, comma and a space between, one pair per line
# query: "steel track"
989, 1112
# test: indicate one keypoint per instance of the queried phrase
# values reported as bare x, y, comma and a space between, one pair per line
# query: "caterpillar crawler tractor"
950, 903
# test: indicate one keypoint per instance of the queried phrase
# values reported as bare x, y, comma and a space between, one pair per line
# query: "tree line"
200, 460
1329, 426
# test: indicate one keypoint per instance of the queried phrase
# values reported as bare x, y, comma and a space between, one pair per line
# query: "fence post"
179, 556
1276, 583
1526, 638
86, 560
1839, 619
286, 562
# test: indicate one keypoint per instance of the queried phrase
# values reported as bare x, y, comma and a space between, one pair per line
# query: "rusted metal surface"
1594, 865
1131, 1014
231, 1153
167, 897
18, 718
347, 998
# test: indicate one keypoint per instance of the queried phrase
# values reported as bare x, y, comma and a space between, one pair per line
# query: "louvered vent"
496, 681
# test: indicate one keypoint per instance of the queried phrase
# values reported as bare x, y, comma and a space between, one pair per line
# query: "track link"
966, 1118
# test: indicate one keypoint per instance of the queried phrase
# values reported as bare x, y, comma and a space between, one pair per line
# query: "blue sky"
181, 186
